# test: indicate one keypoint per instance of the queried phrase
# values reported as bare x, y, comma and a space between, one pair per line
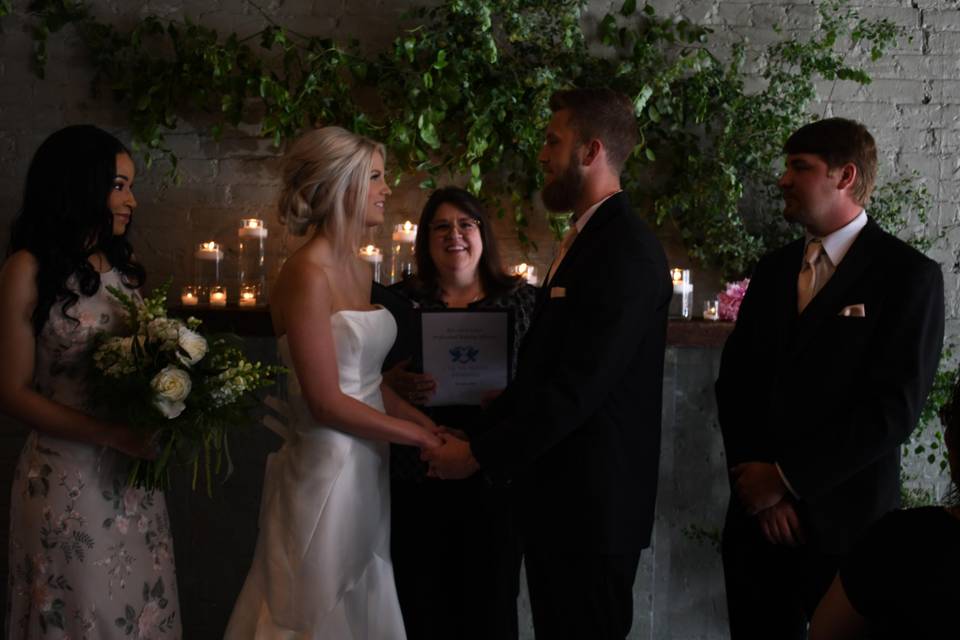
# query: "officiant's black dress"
455, 550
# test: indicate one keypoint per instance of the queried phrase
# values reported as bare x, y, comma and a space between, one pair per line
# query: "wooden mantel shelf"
255, 321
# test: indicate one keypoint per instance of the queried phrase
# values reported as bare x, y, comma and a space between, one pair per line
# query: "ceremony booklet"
467, 352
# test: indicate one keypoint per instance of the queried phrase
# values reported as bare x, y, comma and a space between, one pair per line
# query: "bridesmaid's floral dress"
88, 557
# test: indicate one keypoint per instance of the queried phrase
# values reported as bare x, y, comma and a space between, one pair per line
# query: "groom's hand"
452, 460
758, 486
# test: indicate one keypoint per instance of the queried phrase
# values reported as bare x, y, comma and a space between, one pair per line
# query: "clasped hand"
762, 492
452, 459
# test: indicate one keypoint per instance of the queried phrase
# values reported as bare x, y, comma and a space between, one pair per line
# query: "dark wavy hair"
65, 218
496, 281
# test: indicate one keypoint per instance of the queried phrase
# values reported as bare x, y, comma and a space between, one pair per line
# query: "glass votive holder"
189, 296
711, 310
248, 296
218, 296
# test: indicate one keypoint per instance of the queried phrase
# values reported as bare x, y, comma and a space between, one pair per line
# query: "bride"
322, 566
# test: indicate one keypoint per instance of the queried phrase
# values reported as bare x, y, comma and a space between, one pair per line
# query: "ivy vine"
464, 92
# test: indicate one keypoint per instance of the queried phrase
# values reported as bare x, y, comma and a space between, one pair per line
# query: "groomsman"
822, 380
578, 430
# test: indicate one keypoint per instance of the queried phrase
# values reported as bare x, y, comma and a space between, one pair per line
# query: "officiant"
456, 556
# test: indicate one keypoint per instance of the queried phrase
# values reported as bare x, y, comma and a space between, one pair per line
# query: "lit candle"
248, 297
711, 310
371, 254
406, 232
209, 251
528, 271
252, 228
681, 280
188, 297
218, 297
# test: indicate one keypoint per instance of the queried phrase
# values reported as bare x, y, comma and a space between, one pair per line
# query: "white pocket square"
854, 311
558, 292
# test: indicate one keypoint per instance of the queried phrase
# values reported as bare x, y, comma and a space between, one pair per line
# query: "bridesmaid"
88, 558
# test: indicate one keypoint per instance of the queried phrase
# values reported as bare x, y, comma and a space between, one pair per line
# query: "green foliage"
463, 94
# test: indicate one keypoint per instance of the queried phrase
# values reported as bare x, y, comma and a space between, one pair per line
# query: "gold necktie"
812, 275
568, 239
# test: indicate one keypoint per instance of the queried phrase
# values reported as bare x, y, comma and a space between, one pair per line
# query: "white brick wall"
912, 107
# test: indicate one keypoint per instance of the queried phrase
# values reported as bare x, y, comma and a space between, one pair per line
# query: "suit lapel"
825, 304
584, 238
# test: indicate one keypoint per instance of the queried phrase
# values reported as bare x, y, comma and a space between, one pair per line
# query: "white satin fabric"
322, 566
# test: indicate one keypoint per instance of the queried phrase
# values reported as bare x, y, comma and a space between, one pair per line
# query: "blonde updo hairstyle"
326, 179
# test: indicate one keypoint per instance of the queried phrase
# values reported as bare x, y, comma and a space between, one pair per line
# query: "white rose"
171, 387
193, 344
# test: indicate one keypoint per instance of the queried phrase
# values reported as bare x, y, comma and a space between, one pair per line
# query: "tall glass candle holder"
681, 305
374, 256
253, 250
528, 271
402, 258
208, 264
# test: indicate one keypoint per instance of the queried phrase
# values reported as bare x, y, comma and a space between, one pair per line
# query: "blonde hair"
326, 178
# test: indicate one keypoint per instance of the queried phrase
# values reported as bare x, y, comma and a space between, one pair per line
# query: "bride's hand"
433, 437
136, 443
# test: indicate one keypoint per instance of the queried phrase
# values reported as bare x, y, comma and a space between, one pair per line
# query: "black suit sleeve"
885, 408
615, 301
740, 408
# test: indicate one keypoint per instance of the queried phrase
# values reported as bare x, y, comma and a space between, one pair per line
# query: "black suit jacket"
831, 398
578, 430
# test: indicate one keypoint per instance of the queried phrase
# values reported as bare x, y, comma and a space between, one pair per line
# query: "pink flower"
730, 299
149, 619
40, 596
122, 525
131, 501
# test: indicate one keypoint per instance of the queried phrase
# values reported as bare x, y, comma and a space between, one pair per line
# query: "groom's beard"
562, 193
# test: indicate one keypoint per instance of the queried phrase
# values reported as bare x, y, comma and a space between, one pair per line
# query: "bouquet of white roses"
167, 378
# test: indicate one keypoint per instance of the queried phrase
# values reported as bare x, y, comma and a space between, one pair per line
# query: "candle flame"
522, 267
209, 246
407, 226
252, 223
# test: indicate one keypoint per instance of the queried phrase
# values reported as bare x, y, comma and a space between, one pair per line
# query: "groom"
578, 430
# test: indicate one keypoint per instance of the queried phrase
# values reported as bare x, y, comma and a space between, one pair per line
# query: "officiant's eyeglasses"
464, 226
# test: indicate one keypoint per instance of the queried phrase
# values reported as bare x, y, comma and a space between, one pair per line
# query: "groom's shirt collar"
581, 222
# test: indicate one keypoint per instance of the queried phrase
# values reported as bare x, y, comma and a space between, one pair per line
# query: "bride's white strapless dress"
322, 566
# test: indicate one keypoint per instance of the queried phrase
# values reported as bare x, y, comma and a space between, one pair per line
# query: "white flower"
171, 387
115, 357
164, 330
193, 344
